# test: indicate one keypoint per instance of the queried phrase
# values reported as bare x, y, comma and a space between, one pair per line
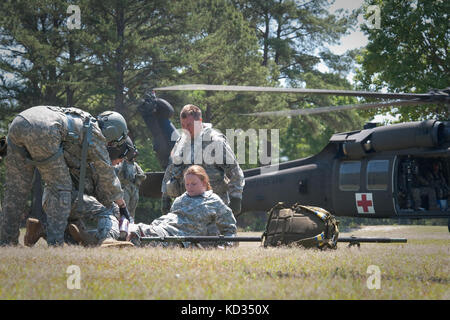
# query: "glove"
124, 212
235, 205
165, 204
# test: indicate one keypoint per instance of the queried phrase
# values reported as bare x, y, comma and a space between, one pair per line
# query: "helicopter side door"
363, 187
414, 196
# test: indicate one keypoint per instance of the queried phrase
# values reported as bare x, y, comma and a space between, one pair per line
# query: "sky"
356, 38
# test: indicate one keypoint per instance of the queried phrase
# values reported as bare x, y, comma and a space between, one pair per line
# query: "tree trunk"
266, 39
70, 92
119, 81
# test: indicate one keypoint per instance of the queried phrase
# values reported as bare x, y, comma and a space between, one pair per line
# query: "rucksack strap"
87, 130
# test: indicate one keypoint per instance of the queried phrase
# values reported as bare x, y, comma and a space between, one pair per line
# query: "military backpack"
306, 226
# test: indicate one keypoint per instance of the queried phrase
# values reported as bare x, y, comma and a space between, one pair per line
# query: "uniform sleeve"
177, 204
140, 174
119, 171
225, 221
233, 171
108, 184
173, 172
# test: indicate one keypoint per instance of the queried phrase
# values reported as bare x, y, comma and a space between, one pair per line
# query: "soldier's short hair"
191, 110
200, 172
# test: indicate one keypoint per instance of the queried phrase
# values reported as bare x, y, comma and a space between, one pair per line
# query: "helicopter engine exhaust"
425, 134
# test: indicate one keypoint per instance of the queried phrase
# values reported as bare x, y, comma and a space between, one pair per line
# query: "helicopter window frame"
350, 176
376, 179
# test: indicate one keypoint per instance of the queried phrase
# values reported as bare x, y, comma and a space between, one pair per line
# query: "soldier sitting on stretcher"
191, 213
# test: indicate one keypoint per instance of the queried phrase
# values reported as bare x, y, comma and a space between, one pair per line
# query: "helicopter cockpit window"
349, 176
377, 175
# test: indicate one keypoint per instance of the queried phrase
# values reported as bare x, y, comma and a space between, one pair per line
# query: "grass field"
418, 269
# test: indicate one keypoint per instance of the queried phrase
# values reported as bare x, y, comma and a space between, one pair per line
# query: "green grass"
418, 269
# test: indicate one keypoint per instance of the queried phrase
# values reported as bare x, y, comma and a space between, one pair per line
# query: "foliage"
307, 135
409, 53
293, 33
33, 40
125, 47
292, 36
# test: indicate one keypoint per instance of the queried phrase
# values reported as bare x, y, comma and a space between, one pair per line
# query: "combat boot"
34, 232
81, 236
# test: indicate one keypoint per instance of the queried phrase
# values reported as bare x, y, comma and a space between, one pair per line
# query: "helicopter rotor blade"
364, 106
207, 87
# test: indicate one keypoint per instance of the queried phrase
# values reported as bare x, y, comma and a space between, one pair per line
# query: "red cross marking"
364, 203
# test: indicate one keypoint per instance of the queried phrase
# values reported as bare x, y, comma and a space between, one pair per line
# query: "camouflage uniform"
131, 176
102, 220
191, 216
52, 137
226, 176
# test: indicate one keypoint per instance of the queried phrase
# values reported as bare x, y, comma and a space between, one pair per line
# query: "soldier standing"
131, 177
201, 144
55, 140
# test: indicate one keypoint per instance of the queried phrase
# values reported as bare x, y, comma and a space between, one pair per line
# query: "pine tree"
33, 41
293, 36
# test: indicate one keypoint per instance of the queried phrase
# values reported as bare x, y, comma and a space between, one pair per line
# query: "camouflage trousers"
212, 228
41, 141
95, 218
147, 230
131, 197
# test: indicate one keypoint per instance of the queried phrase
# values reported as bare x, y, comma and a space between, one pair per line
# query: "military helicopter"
366, 173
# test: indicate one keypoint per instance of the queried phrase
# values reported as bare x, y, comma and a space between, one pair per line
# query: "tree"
293, 33
409, 53
125, 47
293, 36
131, 45
222, 49
33, 39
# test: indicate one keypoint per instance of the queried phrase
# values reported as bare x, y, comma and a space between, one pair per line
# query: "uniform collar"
205, 194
